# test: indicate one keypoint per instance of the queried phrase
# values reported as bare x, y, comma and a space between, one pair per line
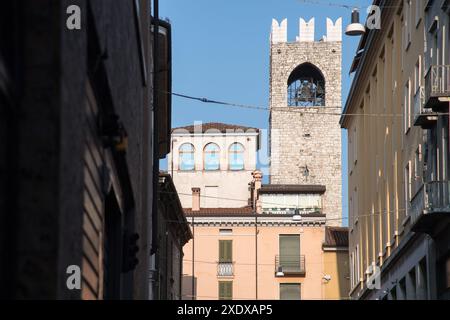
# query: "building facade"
173, 234
240, 254
389, 123
76, 193
218, 158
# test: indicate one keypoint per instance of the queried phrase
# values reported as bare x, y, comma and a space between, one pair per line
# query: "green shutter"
290, 291
226, 251
225, 290
289, 250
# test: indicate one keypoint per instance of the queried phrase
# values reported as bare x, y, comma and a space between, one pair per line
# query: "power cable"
298, 110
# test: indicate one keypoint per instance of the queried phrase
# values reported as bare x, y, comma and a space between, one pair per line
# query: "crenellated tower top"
306, 31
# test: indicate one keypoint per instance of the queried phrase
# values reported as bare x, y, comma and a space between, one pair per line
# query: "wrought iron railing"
438, 81
225, 269
437, 196
419, 102
294, 265
287, 210
432, 197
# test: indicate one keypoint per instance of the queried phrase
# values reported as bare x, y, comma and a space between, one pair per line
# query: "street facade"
398, 163
231, 151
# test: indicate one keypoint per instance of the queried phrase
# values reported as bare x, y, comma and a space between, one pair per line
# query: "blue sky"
221, 51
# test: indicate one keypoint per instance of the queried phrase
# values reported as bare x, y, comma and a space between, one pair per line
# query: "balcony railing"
437, 83
423, 117
430, 204
290, 210
225, 269
290, 265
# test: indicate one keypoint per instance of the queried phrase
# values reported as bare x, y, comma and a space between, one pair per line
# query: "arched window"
187, 159
211, 155
236, 156
306, 87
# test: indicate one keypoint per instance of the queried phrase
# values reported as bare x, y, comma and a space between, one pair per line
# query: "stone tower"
305, 103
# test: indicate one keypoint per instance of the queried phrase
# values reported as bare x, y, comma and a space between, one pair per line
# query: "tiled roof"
222, 212
213, 126
336, 237
292, 188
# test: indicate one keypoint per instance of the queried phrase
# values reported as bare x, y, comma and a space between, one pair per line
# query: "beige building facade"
388, 120
237, 254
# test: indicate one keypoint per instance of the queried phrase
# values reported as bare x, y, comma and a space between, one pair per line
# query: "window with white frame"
418, 11
352, 271
351, 212
407, 186
407, 106
417, 162
355, 145
186, 157
211, 157
236, 156
357, 262
407, 21
350, 152
418, 75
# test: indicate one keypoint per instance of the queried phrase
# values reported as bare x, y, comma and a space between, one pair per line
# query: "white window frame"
418, 12
407, 105
408, 194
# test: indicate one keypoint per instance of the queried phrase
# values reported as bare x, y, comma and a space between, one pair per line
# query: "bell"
355, 28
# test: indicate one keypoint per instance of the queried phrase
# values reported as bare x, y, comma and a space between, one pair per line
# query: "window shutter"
290, 291
289, 249
225, 250
225, 290
221, 291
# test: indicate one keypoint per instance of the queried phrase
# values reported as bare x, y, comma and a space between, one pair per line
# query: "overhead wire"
298, 110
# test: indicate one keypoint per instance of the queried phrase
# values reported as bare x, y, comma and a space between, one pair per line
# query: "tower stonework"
305, 103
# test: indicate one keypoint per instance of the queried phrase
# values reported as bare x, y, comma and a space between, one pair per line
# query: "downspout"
155, 160
256, 256
154, 247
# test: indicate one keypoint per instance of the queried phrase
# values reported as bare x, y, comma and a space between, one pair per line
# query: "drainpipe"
154, 247
195, 209
256, 256
155, 171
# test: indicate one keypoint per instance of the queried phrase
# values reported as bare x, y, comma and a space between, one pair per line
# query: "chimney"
195, 199
257, 182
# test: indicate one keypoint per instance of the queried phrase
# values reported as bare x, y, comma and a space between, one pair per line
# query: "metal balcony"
437, 87
430, 206
290, 266
423, 117
225, 269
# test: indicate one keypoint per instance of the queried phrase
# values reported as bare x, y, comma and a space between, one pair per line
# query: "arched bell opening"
306, 87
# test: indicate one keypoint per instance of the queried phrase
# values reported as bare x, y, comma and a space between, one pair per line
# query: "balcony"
430, 206
437, 88
290, 266
423, 117
225, 269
